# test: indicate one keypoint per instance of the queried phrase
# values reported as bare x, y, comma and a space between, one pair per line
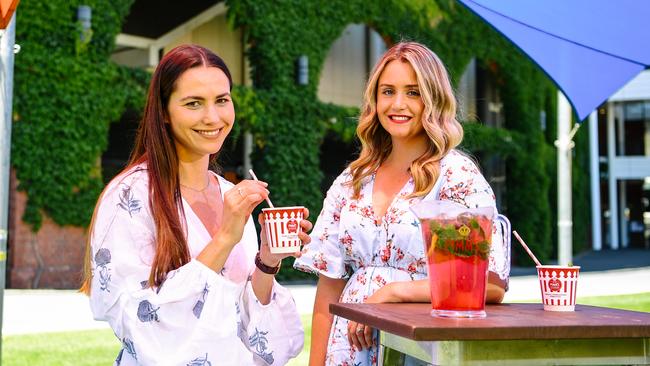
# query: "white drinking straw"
526, 247
268, 201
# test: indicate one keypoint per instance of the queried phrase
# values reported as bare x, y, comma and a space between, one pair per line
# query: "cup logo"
292, 226
464, 231
554, 284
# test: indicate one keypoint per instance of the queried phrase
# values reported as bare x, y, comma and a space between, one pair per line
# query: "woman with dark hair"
366, 244
172, 261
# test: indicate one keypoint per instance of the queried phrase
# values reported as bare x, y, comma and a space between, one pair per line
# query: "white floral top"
347, 242
198, 316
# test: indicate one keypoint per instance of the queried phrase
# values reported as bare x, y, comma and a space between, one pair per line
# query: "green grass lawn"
83, 348
640, 302
99, 347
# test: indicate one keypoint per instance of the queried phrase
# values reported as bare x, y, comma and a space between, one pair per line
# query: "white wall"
132, 57
347, 65
637, 89
466, 93
217, 36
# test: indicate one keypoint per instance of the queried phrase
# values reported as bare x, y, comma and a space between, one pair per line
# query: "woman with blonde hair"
173, 263
366, 244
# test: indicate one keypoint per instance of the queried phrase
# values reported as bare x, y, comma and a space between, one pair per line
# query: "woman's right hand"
274, 260
238, 204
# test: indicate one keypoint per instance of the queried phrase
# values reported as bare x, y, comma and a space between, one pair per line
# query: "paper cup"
558, 285
282, 228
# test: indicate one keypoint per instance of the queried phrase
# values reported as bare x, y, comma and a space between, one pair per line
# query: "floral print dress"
197, 316
348, 242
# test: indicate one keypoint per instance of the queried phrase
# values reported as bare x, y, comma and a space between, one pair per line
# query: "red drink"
457, 255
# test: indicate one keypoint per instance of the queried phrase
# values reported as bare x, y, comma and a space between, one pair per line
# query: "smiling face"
399, 104
201, 112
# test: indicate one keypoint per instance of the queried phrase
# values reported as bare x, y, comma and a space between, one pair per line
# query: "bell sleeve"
324, 254
191, 317
272, 332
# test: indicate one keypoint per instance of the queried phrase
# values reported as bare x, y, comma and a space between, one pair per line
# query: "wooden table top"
503, 322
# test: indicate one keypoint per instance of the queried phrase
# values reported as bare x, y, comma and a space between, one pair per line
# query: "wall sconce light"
84, 17
302, 70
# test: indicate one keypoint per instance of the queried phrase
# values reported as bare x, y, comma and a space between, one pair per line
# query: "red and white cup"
559, 285
282, 227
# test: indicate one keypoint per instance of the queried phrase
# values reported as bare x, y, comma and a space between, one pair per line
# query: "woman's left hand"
359, 335
273, 260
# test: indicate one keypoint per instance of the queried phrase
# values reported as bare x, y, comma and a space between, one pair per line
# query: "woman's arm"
418, 291
496, 289
328, 291
402, 291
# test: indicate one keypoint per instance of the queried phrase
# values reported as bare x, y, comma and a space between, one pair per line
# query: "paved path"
38, 311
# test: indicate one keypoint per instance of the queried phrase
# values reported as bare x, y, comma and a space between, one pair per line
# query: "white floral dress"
348, 243
197, 317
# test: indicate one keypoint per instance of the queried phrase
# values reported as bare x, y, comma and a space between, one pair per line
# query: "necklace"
201, 191
197, 190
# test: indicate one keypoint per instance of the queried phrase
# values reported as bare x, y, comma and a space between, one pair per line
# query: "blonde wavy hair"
438, 119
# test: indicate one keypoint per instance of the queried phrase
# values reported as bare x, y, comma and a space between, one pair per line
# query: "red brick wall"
50, 258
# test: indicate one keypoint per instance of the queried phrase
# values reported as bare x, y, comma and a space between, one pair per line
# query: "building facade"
621, 154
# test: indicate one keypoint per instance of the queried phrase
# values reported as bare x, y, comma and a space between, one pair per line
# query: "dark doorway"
121, 136
334, 157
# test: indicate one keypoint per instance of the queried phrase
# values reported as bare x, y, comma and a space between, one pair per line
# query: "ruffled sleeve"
463, 183
192, 317
273, 332
325, 255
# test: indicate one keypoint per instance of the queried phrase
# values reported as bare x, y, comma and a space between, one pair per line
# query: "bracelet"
263, 267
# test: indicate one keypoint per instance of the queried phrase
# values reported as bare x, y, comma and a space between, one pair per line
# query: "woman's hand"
359, 335
238, 204
496, 289
263, 282
273, 260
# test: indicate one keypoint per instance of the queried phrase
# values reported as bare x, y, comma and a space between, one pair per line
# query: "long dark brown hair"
154, 145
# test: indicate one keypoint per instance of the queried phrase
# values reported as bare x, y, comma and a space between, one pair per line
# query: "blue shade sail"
589, 48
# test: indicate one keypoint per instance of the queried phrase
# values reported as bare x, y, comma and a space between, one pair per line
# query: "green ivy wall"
65, 96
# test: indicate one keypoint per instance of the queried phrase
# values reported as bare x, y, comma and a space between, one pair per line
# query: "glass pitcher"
457, 245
